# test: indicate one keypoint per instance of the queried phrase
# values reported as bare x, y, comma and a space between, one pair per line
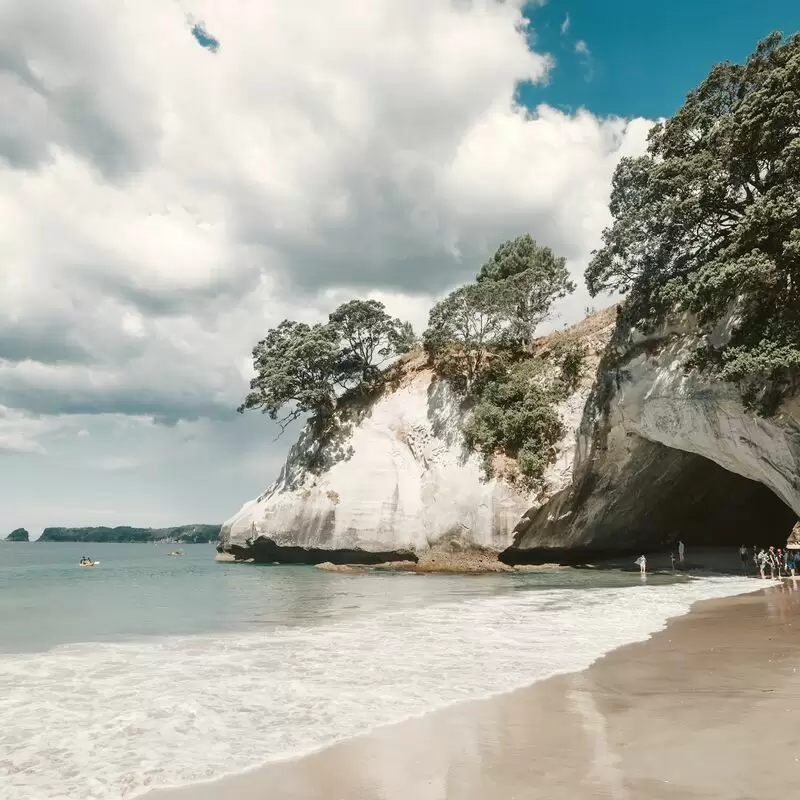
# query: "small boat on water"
88, 563
176, 553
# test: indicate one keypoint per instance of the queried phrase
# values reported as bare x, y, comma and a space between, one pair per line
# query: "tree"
463, 326
298, 365
534, 277
369, 336
516, 415
307, 368
708, 221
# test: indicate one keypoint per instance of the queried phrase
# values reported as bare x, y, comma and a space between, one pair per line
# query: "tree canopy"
463, 328
708, 221
533, 278
479, 338
370, 336
304, 368
513, 293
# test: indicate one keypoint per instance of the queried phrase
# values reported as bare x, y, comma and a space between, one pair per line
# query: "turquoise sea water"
150, 670
138, 591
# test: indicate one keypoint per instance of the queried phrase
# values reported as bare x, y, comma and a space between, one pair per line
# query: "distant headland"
19, 535
187, 534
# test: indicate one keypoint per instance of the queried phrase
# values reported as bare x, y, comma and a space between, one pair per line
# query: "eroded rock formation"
394, 480
664, 453
652, 453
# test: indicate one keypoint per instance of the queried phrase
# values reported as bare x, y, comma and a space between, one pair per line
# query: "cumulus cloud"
164, 204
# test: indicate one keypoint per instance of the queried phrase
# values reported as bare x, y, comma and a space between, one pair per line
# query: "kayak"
93, 564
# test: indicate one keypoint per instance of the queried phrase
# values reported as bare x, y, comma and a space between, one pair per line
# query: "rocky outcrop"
394, 481
663, 453
652, 453
18, 535
391, 480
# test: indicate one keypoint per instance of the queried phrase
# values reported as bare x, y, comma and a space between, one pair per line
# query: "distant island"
19, 535
189, 534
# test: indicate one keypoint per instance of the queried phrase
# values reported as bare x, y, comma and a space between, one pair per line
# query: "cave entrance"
642, 496
664, 494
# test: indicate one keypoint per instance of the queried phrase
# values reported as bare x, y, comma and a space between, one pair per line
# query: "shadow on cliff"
660, 496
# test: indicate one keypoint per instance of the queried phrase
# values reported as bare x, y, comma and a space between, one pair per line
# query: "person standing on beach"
772, 561
761, 561
744, 557
681, 550
642, 562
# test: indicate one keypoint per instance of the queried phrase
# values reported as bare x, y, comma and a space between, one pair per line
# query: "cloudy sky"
176, 176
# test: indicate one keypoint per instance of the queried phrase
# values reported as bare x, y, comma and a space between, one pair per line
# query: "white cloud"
22, 433
118, 463
565, 25
163, 205
582, 48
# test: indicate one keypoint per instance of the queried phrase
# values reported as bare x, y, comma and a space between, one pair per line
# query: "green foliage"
498, 314
570, 356
463, 329
296, 364
532, 278
479, 338
18, 535
369, 337
515, 413
305, 368
709, 221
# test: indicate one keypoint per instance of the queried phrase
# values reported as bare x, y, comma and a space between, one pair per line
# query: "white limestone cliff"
396, 479
399, 479
663, 451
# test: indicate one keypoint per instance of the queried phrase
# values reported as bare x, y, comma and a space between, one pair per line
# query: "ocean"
150, 671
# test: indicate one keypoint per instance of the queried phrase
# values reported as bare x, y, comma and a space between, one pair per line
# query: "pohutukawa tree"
370, 337
708, 221
513, 294
303, 369
532, 278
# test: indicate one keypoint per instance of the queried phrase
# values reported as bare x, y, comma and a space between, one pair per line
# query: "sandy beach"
707, 708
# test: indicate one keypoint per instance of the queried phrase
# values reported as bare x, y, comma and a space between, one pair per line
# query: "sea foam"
106, 721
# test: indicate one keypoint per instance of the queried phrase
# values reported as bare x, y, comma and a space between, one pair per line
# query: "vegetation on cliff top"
708, 221
478, 338
307, 367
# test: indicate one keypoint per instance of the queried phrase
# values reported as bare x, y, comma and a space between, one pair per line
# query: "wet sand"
708, 708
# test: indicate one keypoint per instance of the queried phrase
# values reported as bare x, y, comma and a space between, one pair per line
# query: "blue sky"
645, 55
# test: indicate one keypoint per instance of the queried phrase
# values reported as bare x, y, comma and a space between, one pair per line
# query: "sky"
177, 176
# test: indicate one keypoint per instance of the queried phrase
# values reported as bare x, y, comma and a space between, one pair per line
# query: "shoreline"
717, 680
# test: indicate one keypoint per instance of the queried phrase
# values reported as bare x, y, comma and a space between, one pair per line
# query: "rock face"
19, 535
663, 454
395, 481
652, 453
